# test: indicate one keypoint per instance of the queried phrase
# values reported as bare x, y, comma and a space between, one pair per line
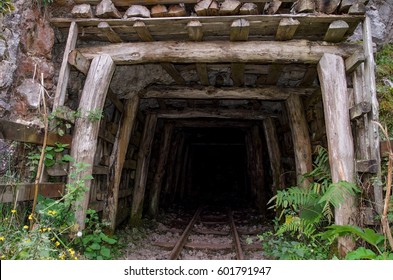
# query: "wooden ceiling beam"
294, 51
127, 3
217, 113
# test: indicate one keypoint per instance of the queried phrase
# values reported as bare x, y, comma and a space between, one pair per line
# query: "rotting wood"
265, 93
327, 6
82, 11
336, 31
108, 32
294, 51
64, 74
142, 169
81, 63
137, 11
229, 7
352, 62
206, 8
29, 134
106, 9
371, 91
274, 152
85, 136
359, 110
286, 29
366, 166
159, 11
117, 159
160, 170
331, 71
300, 137
26, 191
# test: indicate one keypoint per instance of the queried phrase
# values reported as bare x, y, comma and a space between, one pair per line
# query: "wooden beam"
117, 159
64, 73
352, 62
286, 29
115, 100
331, 71
309, 76
259, 173
142, 31
275, 71
109, 33
81, 63
300, 137
294, 51
28, 134
142, 169
265, 93
239, 32
336, 31
371, 94
84, 142
367, 166
195, 32
160, 170
359, 110
25, 191
219, 114
201, 69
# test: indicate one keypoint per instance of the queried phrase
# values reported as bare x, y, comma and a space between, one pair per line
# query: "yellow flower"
2, 238
13, 211
44, 229
49, 229
57, 243
53, 239
62, 256
75, 258
3, 257
25, 227
30, 217
72, 252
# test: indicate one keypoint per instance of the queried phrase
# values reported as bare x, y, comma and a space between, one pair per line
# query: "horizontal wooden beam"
294, 51
265, 93
127, 3
25, 191
29, 134
218, 114
62, 170
213, 123
352, 62
359, 110
367, 166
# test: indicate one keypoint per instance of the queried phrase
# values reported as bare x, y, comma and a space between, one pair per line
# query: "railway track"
209, 230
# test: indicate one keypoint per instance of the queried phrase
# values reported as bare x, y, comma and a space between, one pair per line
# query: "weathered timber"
357, 9
345, 5
275, 71
160, 170
274, 153
115, 100
117, 159
331, 71
59, 170
287, 29
294, 51
367, 166
272, 7
206, 8
218, 114
265, 93
159, 11
81, 63
142, 31
85, 136
82, 11
229, 7
64, 73
25, 191
239, 32
237, 73
126, 3
309, 76
304, 6
359, 110
370, 90
201, 69
177, 11
336, 31
29, 134
259, 174
195, 31
137, 11
108, 32
352, 62
300, 137
248, 9
142, 169
327, 6
106, 9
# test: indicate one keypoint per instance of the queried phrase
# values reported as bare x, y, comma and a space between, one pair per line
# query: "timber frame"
275, 41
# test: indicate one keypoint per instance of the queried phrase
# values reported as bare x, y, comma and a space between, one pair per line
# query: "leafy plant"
6, 7
95, 115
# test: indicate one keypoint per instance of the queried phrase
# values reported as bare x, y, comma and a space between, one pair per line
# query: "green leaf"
361, 253
49, 156
95, 246
106, 252
107, 239
67, 158
87, 239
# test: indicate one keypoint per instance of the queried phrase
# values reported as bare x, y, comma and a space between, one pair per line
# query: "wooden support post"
258, 167
274, 74
287, 29
371, 92
109, 33
300, 137
160, 170
81, 63
331, 71
117, 159
239, 32
336, 31
274, 153
84, 141
64, 73
142, 169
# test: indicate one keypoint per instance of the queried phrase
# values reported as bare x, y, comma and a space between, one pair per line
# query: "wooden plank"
265, 93
275, 71
117, 159
142, 169
59, 170
160, 170
300, 137
287, 29
367, 166
109, 33
143, 31
195, 31
352, 62
85, 131
28, 134
218, 114
359, 110
331, 71
201, 69
64, 73
336, 31
371, 93
239, 32
237, 73
126, 3
25, 191
294, 51
81, 63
